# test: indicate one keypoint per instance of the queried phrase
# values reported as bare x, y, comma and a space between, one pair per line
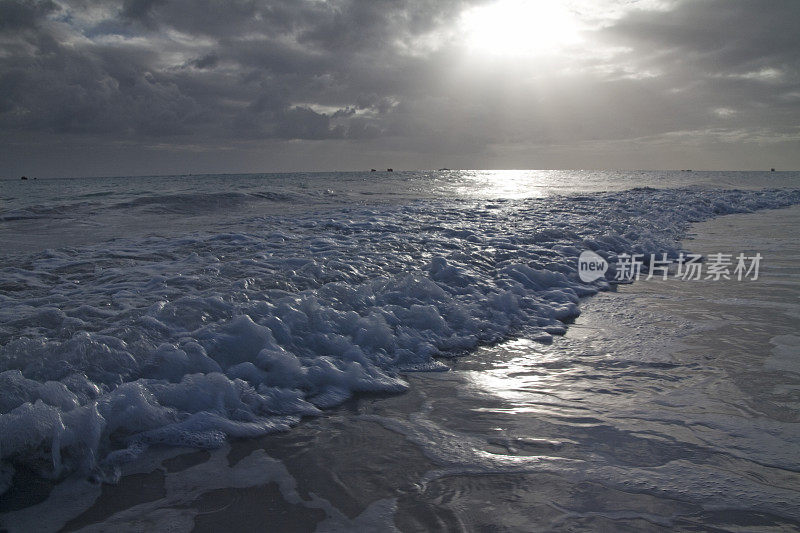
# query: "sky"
144, 87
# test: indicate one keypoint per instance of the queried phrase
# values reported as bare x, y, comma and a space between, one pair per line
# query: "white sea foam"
108, 349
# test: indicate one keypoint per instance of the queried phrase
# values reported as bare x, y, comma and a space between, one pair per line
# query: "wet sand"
667, 405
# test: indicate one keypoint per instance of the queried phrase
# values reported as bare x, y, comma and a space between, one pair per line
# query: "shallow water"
663, 407
112, 349
53, 213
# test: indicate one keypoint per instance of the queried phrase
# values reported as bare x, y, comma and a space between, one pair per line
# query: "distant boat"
772, 170
24, 178
443, 169
372, 170
389, 170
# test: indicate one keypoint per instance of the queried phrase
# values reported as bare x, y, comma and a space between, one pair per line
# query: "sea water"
188, 310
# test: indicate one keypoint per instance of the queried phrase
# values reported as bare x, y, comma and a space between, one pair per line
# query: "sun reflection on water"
529, 379
509, 184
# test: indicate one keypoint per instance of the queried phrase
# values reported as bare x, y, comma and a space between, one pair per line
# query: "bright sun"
519, 27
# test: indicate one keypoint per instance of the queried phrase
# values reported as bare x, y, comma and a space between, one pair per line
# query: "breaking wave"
106, 350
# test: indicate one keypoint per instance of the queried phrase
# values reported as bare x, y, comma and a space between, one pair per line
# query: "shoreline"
426, 480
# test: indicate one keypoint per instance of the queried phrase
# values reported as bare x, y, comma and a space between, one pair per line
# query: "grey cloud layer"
250, 70
209, 72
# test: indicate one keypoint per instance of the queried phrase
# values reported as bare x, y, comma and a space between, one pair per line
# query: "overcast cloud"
173, 86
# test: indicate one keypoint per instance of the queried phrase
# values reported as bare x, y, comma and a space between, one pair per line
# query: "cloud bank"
150, 86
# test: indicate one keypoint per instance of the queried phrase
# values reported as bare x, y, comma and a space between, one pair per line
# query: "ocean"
418, 350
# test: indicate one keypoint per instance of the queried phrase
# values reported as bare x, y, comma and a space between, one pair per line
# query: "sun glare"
519, 27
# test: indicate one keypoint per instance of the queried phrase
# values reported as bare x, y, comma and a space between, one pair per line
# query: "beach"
411, 265
667, 404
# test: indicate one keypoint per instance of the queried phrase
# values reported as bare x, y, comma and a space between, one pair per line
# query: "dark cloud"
18, 15
719, 63
390, 76
721, 36
267, 62
140, 10
207, 61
